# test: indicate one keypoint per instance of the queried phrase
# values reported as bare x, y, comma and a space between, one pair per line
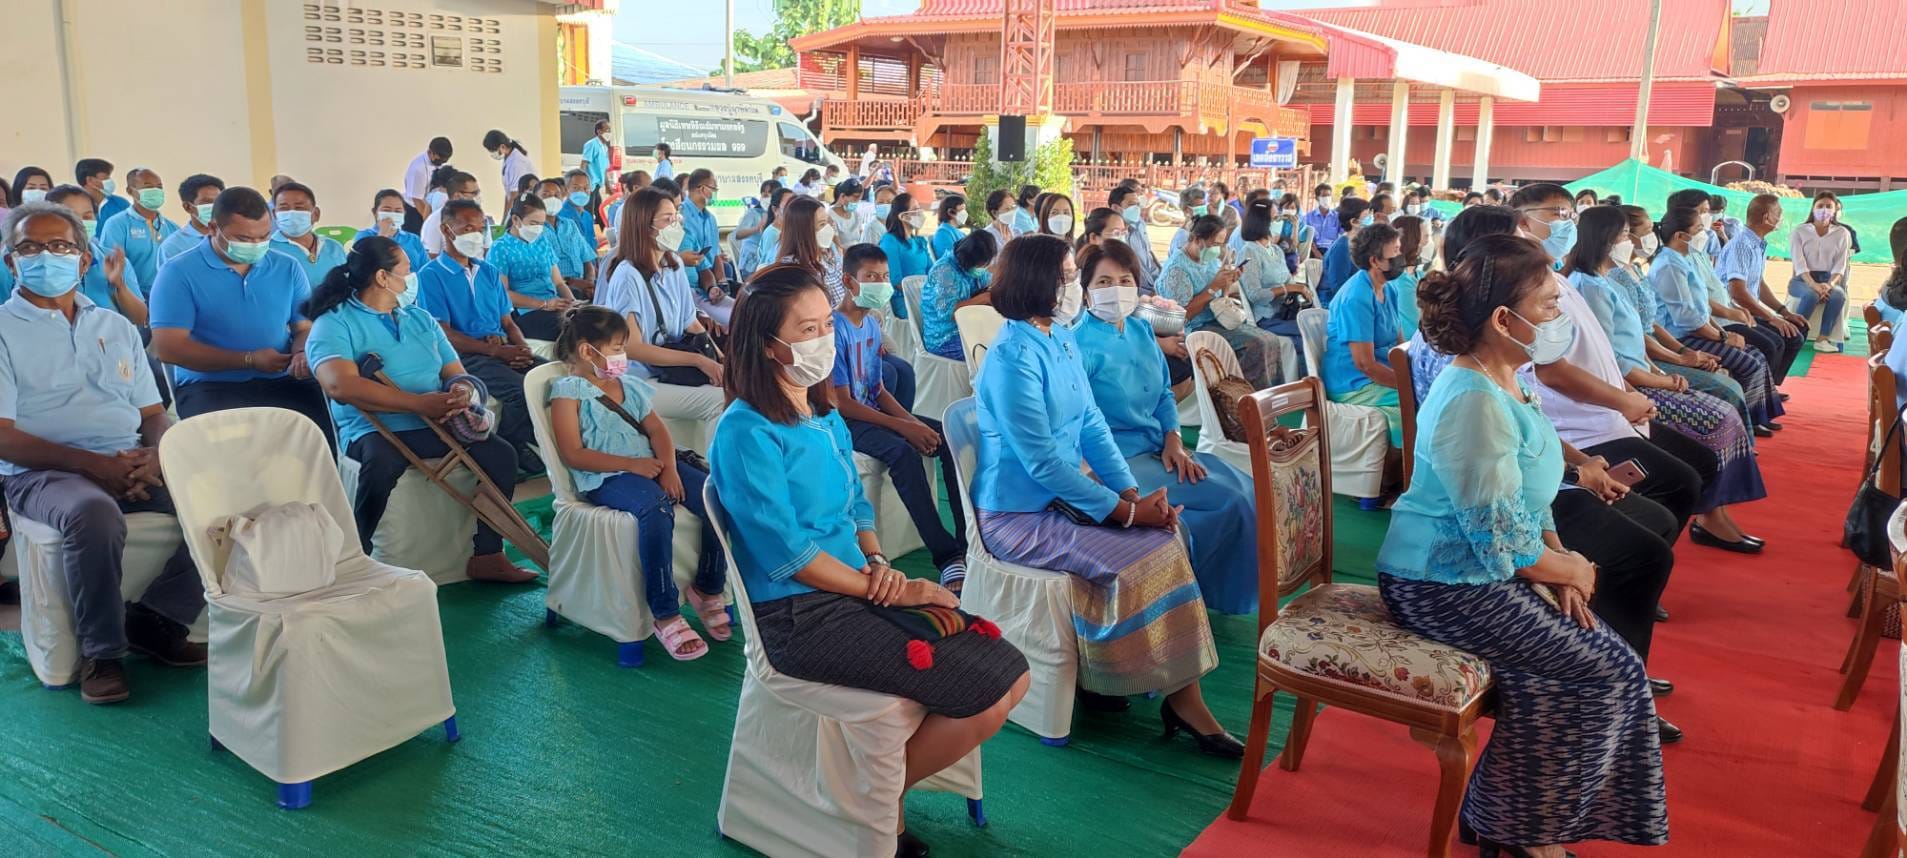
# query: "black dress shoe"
1661, 614
1772, 425
1700, 536
1660, 687
1493, 849
1092, 702
1669, 733
1784, 397
910, 846
161, 639
1219, 744
1764, 432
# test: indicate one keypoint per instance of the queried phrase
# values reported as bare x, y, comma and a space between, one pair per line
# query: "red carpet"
1768, 768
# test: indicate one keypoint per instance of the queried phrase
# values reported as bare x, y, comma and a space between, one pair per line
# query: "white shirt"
1813, 252
1578, 423
434, 237
417, 178
516, 165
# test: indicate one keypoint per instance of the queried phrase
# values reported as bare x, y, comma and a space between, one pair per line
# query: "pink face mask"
618, 364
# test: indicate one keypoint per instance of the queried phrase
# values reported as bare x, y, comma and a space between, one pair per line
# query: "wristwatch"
878, 559
1572, 474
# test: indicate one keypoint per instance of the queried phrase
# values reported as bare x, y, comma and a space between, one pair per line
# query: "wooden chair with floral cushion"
1888, 793
1878, 596
1406, 405
1336, 643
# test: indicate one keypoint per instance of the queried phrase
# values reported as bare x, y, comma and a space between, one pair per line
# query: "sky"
695, 28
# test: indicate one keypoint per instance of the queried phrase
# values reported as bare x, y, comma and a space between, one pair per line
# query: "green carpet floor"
564, 753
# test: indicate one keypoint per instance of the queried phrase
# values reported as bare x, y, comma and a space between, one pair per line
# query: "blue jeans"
898, 377
909, 473
1805, 299
655, 535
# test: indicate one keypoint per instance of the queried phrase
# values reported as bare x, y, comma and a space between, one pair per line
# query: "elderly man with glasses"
80, 421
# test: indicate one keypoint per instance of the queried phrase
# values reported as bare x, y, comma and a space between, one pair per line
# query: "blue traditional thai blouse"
791, 492
1647, 306
603, 430
1037, 422
1684, 300
1265, 273
1488, 467
1183, 277
1610, 303
1130, 383
947, 285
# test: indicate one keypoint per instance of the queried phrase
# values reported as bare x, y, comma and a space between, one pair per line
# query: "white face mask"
1553, 339
1624, 251
529, 231
1823, 214
1708, 219
392, 218
552, 205
1067, 308
814, 360
1059, 224
1412, 209
470, 244
1650, 244
825, 237
670, 237
913, 219
1112, 303
1698, 242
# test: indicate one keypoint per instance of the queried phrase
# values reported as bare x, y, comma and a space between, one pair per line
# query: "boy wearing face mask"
1192, 202
1128, 200
1322, 218
295, 215
196, 195
879, 421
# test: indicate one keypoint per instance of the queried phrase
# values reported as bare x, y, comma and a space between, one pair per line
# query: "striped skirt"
1714, 425
1717, 385
1574, 754
1137, 613
1750, 369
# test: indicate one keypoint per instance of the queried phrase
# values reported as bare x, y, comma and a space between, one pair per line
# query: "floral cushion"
1344, 633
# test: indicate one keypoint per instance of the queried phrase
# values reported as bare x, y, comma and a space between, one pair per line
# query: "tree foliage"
792, 18
1051, 168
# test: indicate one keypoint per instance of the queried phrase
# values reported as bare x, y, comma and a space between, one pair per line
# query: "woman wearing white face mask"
1037, 421
804, 543
1132, 388
1684, 315
1054, 212
649, 286
1195, 276
1696, 417
908, 251
368, 306
1001, 208
516, 159
1266, 280
1821, 249
809, 238
528, 266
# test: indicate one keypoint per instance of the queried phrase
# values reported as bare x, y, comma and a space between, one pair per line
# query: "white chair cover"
1313, 271
1836, 334
938, 381
304, 685
1360, 437
422, 528
979, 325
816, 769
46, 617
544, 349
902, 336
1032, 607
595, 571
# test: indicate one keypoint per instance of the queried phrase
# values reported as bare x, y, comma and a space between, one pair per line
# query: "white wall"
226, 87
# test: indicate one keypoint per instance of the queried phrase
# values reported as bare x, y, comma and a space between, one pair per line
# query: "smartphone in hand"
1628, 473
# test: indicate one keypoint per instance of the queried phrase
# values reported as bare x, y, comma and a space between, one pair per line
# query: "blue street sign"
1274, 152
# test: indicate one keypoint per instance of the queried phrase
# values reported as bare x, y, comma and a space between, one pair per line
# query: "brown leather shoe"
161, 639
102, 681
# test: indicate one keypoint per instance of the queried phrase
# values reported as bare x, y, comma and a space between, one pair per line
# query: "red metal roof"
1675, 103
1555, 40
1835, 39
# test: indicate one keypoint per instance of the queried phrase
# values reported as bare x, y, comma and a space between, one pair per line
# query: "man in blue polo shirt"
467, 297
701, 248
228, 316
96, 176
596, 155
140, 230
295, 214
576, 208
1322, 219
575, 255
196, 195
80, 422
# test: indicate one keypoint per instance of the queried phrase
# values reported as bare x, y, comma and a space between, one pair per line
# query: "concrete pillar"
1400, 133
1446, 136
1341, 129
1486, 134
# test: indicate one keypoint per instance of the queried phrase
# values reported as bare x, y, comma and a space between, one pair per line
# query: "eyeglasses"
1559, 212
34, 248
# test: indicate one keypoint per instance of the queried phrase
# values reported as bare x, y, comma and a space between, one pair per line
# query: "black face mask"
1394, 268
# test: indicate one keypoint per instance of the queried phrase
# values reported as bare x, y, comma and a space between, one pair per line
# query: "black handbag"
1866, 530
701, 344
683, 455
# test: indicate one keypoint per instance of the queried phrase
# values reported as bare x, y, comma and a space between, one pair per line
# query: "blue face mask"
1198, 211
48, 274
1366, 220
881, 210
293, 224
1131, 214
1562, 238
579, 199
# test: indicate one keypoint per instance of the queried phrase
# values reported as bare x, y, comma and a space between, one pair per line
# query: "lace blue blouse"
1488, 467
603, 430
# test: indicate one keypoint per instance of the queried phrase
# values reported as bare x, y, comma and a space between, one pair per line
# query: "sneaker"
103, 681
1827, 347
161, 639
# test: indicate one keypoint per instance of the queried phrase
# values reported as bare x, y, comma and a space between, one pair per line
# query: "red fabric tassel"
985, 628
920, 654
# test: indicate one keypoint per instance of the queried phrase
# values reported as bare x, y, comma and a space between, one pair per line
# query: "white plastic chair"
545, 349
816, 769
422, 528
596, 574
1360, 437
301, 686
1313, 271
1211, 438
979, 325
938, 380
35, 556
1032, 607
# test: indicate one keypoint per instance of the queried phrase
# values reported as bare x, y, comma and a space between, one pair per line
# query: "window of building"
1136, 67
1841, 125
986, 69
1616, 134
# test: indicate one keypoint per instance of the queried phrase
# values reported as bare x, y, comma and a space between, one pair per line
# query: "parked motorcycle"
1163, 209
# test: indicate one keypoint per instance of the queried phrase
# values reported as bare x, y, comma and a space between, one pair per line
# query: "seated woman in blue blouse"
1132, 388
1274, 297
1472, 560
960, 278
951, 214
368, 306
527, 265
1363, 328
1195, 275
904, 242
620, 456
1140, 621
803, 536
1892, 300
